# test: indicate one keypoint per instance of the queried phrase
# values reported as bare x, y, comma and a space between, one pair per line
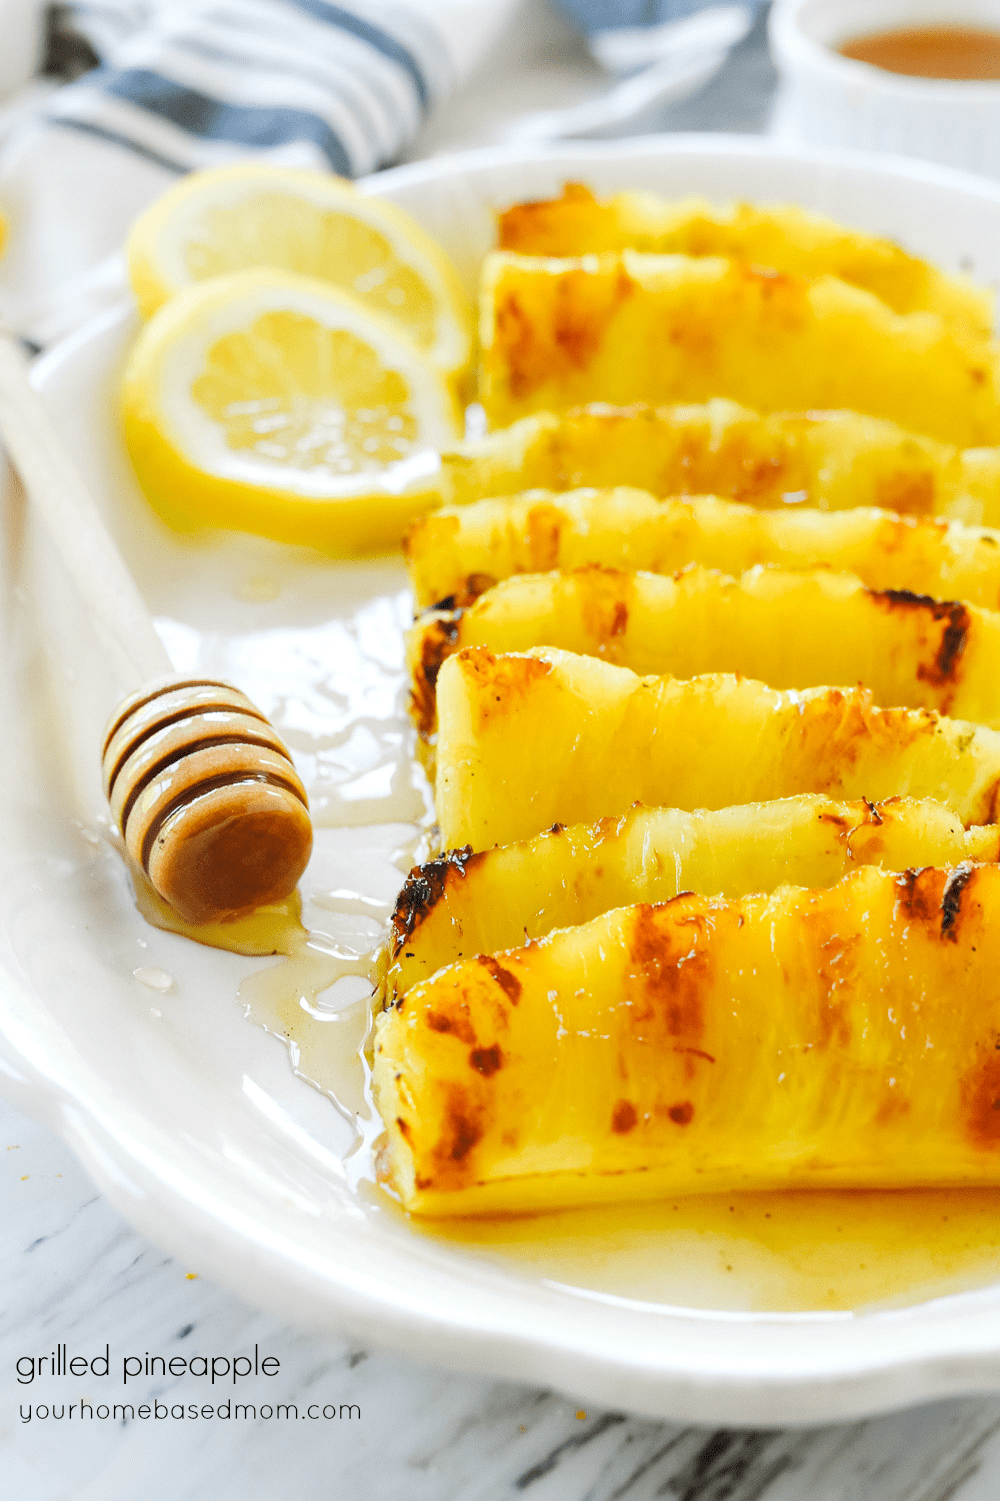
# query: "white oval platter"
188, 1116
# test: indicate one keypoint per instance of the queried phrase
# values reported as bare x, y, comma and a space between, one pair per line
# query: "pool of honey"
766, 1252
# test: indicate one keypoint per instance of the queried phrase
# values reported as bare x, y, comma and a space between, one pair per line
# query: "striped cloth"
608, 15
191, 83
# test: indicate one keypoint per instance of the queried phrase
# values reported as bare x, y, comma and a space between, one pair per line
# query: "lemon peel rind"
154, 246
193, 480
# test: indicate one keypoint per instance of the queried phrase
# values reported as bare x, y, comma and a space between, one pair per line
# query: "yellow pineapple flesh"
792, 630
804, 1039
463, 904
543, 737
459, 552
831, 460
632, 327
781, 236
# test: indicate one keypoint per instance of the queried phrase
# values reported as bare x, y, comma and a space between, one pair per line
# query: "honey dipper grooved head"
206, 797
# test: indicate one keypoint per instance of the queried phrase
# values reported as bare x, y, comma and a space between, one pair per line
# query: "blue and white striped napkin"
342, 85
180, 84
190, 83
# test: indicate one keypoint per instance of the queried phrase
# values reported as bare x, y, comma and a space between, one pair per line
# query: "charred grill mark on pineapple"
486, 1061
423, 889
539, 226
454, 1025
509, 984
943, 669
952, 645
579, 324
934, 896
438, 640
669, 948
909, 492
951, 899
921, 891
515, 333
466, 594
505, 676
465, 1130
681, 1114
605, 595
543, 535
761, 476
623, 1117
535, 349
448, 1163
981, 1096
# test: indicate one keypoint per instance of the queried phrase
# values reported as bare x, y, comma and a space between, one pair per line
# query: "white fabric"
194, 83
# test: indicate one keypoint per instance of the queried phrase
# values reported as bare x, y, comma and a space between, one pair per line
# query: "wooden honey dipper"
203, 790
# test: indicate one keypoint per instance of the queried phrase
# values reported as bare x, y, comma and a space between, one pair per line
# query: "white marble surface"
72, 1271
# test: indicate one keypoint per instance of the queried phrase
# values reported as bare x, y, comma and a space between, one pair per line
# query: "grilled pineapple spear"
781, 236
463, 904
460, 552
792, 630
633, 327
831, 460
845, 1037
529, 740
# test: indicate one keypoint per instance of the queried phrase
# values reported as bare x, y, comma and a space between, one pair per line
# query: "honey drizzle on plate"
770, 1252
325, 1039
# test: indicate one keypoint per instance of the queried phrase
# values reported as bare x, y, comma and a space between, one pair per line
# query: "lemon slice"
276, 404
236, 218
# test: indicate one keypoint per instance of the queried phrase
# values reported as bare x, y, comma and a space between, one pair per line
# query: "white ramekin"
831, 100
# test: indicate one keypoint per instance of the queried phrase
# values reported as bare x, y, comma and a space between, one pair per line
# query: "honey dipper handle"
73, 522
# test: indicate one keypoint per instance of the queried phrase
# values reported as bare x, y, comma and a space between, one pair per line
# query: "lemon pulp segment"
321, 399
277, 404
274, 229
249, 216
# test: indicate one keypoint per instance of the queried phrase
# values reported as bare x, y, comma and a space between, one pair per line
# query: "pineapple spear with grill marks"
781, 236
792, 630
527, 740
831, 460
462, 904
806, 1039
630, 327
460, 552
838, 1032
